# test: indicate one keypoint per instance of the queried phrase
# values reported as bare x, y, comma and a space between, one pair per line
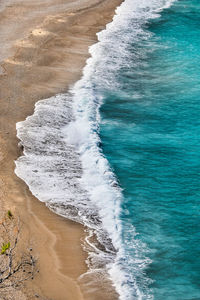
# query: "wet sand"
44, 46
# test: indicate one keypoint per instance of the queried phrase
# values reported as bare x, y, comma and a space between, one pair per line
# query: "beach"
44, 47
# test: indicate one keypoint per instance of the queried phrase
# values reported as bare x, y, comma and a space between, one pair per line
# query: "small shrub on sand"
17, 263
5, 247
10, 215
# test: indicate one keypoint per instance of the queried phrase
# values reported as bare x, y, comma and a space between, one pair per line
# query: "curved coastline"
69, 125
34, 68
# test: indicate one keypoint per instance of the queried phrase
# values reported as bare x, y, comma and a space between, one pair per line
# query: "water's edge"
38, 154
64, 165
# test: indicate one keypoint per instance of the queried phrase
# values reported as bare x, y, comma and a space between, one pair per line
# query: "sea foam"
63, 163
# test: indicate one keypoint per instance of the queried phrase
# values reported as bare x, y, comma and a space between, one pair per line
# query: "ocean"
119, 152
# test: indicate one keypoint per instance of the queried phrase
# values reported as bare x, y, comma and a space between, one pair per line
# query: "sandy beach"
44, 47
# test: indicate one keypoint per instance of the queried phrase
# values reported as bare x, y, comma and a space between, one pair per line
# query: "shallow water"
119, 152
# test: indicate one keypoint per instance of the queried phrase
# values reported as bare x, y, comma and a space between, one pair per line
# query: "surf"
64, 165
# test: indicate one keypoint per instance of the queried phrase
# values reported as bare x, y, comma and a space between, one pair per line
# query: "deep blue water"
150, 133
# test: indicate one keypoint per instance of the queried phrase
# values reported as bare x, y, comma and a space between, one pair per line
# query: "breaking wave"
63, 163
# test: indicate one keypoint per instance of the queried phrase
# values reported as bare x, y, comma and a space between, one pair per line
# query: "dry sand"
44, 46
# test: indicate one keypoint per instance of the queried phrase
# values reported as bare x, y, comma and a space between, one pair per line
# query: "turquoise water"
150, 133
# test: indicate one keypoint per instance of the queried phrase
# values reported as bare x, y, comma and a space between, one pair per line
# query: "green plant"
10, 215
5, 247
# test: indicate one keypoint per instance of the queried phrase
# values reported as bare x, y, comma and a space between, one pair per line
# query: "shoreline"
36, 66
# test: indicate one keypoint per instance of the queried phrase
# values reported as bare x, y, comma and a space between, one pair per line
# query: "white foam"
63, 164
